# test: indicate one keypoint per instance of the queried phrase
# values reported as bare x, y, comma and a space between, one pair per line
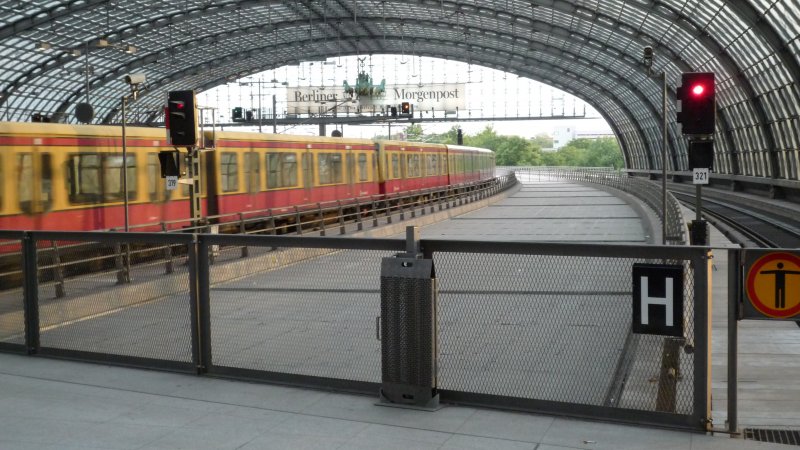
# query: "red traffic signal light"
698, 103
405, 108
181, 118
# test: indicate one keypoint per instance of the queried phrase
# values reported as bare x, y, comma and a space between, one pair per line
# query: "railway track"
747, 225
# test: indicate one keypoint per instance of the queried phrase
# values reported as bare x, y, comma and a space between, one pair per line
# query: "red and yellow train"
69, 177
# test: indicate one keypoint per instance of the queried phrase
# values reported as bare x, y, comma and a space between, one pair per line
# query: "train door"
35, 182
308, 174
351, 172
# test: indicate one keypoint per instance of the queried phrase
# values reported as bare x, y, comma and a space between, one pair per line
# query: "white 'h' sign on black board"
658, 299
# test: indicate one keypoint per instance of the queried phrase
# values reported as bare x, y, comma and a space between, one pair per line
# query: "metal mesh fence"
12, 315
120, 299
554, 328
301, 311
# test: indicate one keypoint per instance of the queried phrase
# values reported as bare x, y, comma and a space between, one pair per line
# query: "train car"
469, 164
255, 171
69, 177
409, 166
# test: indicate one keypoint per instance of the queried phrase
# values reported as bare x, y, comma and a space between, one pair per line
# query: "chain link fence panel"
299, 311
12, 308
119, 299
554, 328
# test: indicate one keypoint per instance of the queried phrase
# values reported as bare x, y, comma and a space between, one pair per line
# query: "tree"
414, 132
516, 151
603, 152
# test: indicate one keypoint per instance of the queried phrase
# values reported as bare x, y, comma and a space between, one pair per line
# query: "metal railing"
648, 192
372, 210
337, 217
536, 327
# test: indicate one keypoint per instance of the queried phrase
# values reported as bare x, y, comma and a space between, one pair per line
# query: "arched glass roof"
590, 48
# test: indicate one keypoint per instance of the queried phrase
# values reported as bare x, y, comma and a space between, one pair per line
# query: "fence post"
58, 271
298, 223
30, 294
359, 223
168, 268
321, 218
734, 295
341, 218
119, 263
245, 251
200, 302
702, 336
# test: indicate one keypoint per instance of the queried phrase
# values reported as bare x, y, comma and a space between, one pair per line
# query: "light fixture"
44, 46
127, 48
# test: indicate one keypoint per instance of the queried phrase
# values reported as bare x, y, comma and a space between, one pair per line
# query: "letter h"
666, 301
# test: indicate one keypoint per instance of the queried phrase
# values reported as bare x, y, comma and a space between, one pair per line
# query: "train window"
112, 179
362, 167
273, 170
83, 178
281, 170
252, 172
35, 194
289, 169
395, 166
432, 167
229, 179
155, 184
412, 168
330, 168
47, 181
25, 181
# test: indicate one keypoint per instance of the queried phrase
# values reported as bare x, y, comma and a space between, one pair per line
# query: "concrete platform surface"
55, 404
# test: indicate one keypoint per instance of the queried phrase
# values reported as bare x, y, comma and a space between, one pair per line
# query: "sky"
489, 93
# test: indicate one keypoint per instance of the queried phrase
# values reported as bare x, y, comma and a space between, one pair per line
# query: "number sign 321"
699, 176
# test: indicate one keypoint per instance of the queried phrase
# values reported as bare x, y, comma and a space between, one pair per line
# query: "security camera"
135, 78
648, 56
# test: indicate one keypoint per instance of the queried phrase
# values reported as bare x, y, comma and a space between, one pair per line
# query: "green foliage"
414, 132
603, 152
543, 141
518, 151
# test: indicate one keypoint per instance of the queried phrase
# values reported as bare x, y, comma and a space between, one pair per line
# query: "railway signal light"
697, 95
181, 118
169, 163
701, 155
236, 114
405, 108
393, 111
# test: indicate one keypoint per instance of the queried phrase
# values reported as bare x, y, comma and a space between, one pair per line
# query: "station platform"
58, 404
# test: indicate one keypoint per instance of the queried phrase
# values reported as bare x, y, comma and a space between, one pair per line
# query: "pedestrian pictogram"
773, 285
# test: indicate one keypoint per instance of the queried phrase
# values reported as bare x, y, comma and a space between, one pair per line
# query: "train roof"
466, 148
45, 129
250, 136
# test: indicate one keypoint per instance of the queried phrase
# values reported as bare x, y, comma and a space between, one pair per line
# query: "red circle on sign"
751, 281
